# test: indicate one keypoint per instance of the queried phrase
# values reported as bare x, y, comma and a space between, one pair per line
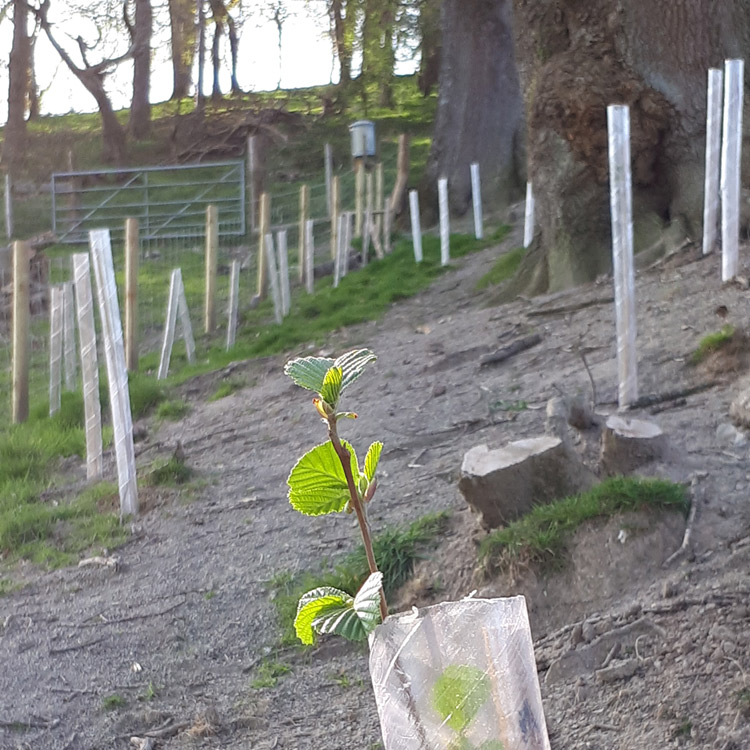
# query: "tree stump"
630, 443
503, 484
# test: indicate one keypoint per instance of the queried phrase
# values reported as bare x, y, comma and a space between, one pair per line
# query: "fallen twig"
574, 307
75, 647
518, 346
676, 404
658, 398
684, 547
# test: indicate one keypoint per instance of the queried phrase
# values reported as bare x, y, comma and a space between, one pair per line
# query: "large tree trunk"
378, 53
140, 109
341, 16
480, 110
18, 74
575, 59
182, 25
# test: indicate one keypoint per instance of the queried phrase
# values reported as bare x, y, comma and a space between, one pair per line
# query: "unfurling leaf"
315, 603
327, 610
309, 372
317, 483
352, 365
331, 389
371, 460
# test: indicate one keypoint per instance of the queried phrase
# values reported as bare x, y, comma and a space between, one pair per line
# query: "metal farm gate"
169, 202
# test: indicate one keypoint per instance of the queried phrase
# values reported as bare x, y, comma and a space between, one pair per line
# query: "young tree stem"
356, 504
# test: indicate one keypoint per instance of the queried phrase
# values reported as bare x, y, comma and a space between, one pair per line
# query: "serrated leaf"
371, 460
367, 602
353, 364
331, 389
315, 603
459, 693
317, 483
309, 372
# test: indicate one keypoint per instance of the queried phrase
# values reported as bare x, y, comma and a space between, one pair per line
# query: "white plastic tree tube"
476, 197
281, 248
117, 374
348, 234
310, 256
621, 204
89, 364
55, 347
185, 325
528, 226
169, 326
69, 337
234, 303
713, 160
445, 229
338, 260
458, 674
416, 225
273, 277
731, 154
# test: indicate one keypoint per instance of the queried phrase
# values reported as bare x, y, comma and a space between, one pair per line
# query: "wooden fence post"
132, 246
328, 160
335, 209
89, 364
20, 407
264, 230
212, 263
402, 176
251, 168
304, 210
379, 186
359, 189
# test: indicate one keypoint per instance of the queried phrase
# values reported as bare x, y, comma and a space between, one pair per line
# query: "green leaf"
459, 693
356, 618
371, 460
352, 365
315, 603
317, 483
309, 372
331, 389
367, 602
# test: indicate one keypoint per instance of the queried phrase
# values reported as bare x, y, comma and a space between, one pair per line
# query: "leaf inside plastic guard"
458, 676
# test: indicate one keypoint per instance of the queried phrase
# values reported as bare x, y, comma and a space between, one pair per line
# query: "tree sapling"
328, 479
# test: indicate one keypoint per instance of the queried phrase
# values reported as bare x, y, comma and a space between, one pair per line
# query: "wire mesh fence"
157, 259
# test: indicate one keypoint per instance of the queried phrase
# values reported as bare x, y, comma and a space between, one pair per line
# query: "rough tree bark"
480, 109
378, 53
18, 87
575, 59
341, 17
430, 46
182, 41
140, 37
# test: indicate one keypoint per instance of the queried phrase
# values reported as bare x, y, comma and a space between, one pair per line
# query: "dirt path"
177, 630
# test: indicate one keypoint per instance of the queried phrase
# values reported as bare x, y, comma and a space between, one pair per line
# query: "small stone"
576, 635
588, 632
438, 390
669, 589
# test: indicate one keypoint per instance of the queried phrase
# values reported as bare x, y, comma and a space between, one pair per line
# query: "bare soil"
635, 648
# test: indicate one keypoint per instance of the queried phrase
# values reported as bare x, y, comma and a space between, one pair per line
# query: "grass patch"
7, 586
172, 409
146, 394
227, 388
396, 550
170, 472
268, 674
113, 702
502, 269
541, 536
712, 343
52, 534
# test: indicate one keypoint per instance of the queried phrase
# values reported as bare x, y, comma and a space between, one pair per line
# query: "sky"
306, 60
